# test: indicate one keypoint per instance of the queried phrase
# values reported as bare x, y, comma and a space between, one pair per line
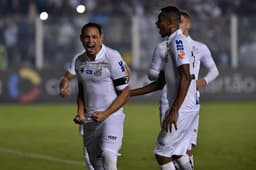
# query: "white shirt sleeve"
71, 67
182, 51
209, 63
157, 60
118, 71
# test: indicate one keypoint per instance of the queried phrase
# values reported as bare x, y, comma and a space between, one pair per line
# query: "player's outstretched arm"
64, 84
154, 86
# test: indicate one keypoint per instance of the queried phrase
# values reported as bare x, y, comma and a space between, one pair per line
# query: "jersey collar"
189, 39
171, 37
101, 53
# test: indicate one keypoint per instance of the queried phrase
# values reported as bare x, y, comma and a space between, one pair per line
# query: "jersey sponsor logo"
89, 71
179, 45
181, 54
180, 48
121, 64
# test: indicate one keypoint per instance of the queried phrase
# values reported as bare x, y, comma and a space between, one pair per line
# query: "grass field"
43, 137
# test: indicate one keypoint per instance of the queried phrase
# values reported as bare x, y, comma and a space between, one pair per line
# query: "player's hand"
171, 119
64, 91
99, 116
200, 84
79, 119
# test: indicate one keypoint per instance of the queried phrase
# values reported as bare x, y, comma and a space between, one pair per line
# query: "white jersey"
203, 55
157, 64
179, 53
100, 78
71, 67
158, 59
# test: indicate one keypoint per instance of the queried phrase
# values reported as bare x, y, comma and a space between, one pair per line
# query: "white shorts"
164, 107
195, 130
178, 141
106, 135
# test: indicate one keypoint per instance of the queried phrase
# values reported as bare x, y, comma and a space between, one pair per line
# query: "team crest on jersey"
98, 72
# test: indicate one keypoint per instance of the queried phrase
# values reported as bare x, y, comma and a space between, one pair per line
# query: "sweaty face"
163, 24
92, 41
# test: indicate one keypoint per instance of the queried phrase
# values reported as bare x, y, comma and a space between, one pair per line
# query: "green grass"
40, 137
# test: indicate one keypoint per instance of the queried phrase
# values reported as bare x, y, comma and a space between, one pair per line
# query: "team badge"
98, 72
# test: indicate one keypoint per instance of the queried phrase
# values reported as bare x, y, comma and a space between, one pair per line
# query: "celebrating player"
103, 89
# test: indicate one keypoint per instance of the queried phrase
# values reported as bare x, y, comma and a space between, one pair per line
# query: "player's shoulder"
111, 54
200, 45
162, 45
78, 54
179, 39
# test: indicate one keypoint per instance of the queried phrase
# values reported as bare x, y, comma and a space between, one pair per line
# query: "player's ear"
101, 38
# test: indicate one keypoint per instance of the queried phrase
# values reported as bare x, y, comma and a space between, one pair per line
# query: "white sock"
109, 160
184, 163
168, 166
191, 158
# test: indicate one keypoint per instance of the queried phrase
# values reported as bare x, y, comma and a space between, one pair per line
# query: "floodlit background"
39, 38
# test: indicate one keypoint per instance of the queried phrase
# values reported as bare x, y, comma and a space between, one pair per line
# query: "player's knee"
109, 160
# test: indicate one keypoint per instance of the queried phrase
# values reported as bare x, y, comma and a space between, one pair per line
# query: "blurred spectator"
211, 26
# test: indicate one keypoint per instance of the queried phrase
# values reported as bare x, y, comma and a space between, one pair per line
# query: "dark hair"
185, 14
172, 11
92, 24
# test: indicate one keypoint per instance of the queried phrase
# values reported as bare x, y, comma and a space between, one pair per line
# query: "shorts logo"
112, 137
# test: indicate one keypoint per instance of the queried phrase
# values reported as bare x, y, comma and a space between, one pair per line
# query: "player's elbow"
153, 75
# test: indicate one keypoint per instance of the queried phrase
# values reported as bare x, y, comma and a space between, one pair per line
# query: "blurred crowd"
211, 25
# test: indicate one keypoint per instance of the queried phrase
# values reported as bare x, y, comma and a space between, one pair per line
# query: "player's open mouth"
90, 47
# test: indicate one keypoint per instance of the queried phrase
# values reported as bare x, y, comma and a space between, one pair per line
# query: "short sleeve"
181, 51
157, 61
71, 67
119, 71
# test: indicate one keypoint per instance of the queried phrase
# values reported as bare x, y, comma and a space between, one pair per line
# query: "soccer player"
65, 91
202, 54
174, 137
103, 90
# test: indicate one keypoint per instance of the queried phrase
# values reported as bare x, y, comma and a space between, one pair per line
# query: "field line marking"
39, 156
